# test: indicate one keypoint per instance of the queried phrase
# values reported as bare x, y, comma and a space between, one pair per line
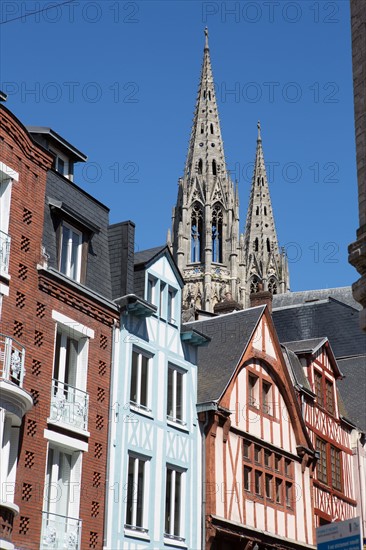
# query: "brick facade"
35, 291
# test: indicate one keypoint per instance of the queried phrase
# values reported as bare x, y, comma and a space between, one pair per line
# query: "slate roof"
331, 318
230, 335
295, 367
342, 294
305, 346
353, 389
145, 256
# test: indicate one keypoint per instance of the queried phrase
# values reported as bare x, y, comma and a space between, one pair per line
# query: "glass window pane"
178, 476
140, 493
64, 249
74, 260
170, 393
179, 411
133, 389
167, 500
130, 491
144, 380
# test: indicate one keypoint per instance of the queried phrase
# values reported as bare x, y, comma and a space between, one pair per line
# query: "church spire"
206, 215
265, 263
206, 151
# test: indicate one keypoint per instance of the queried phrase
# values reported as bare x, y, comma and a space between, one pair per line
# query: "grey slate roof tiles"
353, 389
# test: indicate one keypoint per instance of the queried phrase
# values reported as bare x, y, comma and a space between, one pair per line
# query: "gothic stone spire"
206, 216
264, 262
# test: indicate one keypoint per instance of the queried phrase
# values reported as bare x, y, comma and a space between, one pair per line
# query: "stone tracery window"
196, 232
254, 285
217, 233
272, 285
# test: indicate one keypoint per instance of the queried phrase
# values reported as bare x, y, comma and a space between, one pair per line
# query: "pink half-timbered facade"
258, 457
329, 430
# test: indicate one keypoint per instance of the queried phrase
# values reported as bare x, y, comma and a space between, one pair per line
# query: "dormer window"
62, 164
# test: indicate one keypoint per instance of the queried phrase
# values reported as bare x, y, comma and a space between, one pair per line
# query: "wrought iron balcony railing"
69, 405
4, 253
60, 532
12, 356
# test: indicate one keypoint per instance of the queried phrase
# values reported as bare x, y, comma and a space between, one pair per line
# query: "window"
175, 395
335, 462
135, 493
269, 484
247, 449
173, 503
162, 299
258, 483
69, 401
62, 497
321, 467
252, 390
266, 397
151, 289
196, 233
70, 251
139, 389
278, 490
171, 313
247, 478
214, 169
318, 387
324, 391
265, 477
217, 234
329, 396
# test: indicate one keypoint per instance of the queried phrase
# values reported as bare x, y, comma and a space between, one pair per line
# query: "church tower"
264, 263
205, 224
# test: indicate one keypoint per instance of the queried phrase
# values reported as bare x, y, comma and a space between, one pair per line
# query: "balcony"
69, 406
60, 532
12, 356
4, 253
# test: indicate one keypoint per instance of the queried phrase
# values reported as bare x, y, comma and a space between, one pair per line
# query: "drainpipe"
204, 481
111, 422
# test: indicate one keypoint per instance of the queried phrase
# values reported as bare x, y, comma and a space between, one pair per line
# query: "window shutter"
76, 462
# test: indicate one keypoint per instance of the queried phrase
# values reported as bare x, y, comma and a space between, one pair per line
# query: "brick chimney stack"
262, 297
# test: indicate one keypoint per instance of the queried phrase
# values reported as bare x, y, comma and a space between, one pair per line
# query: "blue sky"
119, 81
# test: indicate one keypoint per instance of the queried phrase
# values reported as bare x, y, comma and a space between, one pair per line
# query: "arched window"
217, 234
254, 285
256, 245
214, 167
265, 210
202, 129
196, 233
272, 285
268, 246
211, 128
200, 164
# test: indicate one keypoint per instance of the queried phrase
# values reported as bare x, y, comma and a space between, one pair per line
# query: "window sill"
171, 541
177, 425
140, 409
137, 533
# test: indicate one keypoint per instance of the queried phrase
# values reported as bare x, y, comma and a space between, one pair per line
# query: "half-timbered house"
258, 458
329, 429
154, 452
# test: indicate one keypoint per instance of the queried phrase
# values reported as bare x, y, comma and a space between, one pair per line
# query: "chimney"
228, 305
262, 297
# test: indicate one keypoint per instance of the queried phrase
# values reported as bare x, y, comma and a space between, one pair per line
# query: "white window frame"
64, 158
137, 405
51, 480
132, 528
171, 534
172, 305
151, 290
66, 270
175, 372
7, 176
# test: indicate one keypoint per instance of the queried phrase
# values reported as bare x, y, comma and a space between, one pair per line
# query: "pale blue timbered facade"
154, 467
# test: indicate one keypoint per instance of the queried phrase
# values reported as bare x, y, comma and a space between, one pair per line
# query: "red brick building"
57, 320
